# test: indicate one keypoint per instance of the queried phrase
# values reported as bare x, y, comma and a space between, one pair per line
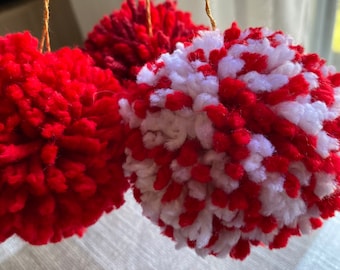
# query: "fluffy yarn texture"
60, 163
235, 141
122, 43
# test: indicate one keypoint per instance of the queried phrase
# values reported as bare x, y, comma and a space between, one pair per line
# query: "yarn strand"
148, 17
45, 37
209, 14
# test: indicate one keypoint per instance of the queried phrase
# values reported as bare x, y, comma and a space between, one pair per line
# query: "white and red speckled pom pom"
235, 141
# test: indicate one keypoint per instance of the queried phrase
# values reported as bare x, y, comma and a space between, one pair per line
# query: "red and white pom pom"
60, 141
235, 141
122, 42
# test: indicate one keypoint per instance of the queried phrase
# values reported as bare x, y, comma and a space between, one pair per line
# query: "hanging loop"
45, 37
211, 18
148, 17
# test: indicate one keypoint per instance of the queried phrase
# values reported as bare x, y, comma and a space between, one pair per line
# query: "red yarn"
60, 164
122, 43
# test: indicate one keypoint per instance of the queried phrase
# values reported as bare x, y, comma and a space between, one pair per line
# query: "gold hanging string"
148, 17
211, 18
45, 37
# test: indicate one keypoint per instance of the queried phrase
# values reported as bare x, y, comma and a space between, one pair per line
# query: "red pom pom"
121, 41
60, 142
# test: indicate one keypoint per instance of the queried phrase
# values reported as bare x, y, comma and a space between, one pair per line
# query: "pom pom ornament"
235, 141
60, 163
122, 41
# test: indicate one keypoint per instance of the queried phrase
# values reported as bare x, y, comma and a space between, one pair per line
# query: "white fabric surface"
124, 239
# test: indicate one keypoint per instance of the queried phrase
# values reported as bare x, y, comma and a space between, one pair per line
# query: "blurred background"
312, 23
